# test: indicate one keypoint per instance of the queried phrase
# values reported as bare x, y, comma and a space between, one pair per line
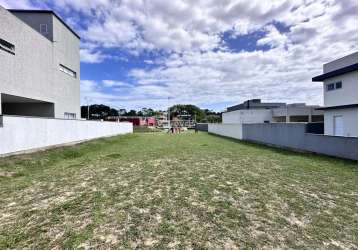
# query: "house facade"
247, 116
39, 65
135, 120
255, 104
255, 111
340, 87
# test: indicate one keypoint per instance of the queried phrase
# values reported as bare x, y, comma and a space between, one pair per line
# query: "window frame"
340, 84
69, 116
334, 86
7, 46
68, 71
43, 25
330, 86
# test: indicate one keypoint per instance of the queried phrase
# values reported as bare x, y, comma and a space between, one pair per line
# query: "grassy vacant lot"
177, 191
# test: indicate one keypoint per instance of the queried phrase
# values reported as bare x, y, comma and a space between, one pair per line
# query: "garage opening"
299, 118
279, 119
17, 105
317, 118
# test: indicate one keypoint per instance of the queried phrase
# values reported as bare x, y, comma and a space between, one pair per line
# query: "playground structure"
181, 121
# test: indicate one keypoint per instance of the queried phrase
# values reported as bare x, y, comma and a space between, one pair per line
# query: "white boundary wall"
228, 130
21, 134
291, 136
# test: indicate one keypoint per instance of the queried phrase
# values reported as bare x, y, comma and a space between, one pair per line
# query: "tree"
122, 111
213, 118
187, 109
100, 111
113, 112
132, 112
97, 112
148, 112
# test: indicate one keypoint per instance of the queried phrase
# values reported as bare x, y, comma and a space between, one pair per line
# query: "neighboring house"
340, 78
297, 112
162, 119
151, 121
255, 104
39, 65
254, 111
135, 120
247, 116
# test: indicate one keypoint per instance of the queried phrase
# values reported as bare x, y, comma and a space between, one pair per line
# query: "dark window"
9, 47
43, 28
330, 86
70, 115
338, 85
68, 71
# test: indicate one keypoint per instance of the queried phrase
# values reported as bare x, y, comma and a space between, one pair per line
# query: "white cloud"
96, 92
196, 66
112, 83
181, 26
89, 56
88, 86
175, 26
111, 33
86, 6
273, 38
91, 92
24, 4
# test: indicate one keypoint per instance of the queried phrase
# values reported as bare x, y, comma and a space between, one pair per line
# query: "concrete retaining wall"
344, 147
228, 130
288, 135
293, 136
21, 134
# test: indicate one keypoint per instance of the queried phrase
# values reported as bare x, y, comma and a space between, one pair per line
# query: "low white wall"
290, 136
28, 133
294, 136
228, 130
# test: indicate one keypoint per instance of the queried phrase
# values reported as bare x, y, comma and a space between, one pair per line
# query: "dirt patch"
8, 174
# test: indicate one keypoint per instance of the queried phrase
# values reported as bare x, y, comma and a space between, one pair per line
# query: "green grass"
144, 129
158, 190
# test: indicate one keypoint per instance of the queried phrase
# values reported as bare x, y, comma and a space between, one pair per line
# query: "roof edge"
339, 107
48, 12
337, 72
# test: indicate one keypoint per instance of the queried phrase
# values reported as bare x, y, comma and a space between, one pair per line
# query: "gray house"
255, 111
39, 65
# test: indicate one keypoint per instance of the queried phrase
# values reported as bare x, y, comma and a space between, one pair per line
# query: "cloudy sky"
213, 53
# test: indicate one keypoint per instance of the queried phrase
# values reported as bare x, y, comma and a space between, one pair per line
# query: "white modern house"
255, 111
40, 85
39, 65
340, 78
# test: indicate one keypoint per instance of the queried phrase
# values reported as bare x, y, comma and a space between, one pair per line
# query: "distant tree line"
143, 112
97, 112
100, 111
201, 115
